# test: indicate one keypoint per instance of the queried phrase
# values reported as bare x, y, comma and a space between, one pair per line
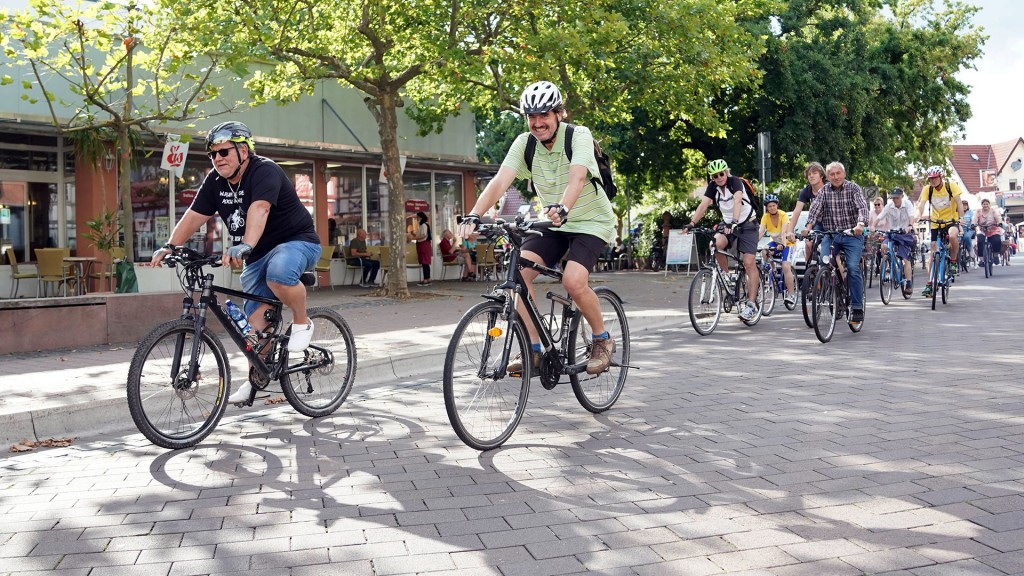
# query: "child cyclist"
775, 223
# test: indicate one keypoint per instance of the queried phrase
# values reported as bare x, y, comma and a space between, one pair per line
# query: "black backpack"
755, 200
604, 165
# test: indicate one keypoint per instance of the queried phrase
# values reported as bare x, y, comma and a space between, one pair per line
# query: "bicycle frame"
720, 275
513, 290
208, 302
895, 262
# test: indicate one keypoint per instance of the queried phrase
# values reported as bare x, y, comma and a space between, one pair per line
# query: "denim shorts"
284, 264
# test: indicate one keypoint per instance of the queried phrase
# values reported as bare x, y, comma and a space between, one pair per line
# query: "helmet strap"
547, 143
241, 163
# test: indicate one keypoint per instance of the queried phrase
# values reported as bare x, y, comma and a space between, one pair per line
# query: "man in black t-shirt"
271, 233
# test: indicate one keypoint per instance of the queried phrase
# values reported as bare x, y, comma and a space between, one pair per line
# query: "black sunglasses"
718, 174
223, 153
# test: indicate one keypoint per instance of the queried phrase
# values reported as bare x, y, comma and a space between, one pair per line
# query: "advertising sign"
173, 158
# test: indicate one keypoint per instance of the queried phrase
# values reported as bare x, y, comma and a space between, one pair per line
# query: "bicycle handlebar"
188, 257
516, 228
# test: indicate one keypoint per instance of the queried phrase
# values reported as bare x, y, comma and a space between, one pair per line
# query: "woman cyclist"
988, 221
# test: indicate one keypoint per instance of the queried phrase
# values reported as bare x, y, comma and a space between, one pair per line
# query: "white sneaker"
749, 311
791, 299
242, 394
302, 334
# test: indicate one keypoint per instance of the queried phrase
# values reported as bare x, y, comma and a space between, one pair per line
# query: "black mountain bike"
831, 291
813, 264
484, 401
180, 378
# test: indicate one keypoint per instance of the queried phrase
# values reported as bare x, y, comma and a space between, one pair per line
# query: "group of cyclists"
839, 205
274, 238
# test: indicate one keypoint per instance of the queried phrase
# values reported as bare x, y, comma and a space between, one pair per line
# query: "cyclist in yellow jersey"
942, 199
775, 224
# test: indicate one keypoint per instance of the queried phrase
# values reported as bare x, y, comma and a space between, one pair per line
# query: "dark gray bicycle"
484, 401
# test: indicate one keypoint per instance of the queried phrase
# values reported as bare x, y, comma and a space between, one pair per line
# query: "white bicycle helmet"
539, 98
935, 171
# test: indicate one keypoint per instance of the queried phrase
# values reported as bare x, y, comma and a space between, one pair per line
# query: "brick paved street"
899, 450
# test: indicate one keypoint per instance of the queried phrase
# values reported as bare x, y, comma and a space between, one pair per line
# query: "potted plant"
105, 234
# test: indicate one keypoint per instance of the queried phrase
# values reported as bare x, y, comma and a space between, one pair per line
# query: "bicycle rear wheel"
598, 392
825, 304
331, 359
705, 305
484, 410
168, 408
886, 281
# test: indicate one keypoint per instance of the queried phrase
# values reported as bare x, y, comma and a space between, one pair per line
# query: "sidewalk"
65, 393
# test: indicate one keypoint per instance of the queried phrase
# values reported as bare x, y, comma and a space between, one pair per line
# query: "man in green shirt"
360, 254
581, 213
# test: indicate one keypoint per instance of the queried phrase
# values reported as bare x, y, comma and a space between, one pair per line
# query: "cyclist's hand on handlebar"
557, 213
235, 256
159, 254
470, 222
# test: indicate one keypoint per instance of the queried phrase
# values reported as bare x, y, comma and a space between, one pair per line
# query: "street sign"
5, 215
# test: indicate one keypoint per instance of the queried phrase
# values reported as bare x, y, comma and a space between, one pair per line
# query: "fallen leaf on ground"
275, 400
26, 445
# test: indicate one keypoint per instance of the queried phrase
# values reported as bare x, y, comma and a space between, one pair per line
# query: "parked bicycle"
180, 377
714, 290
942, 274
484, 401
831, 290
891, 274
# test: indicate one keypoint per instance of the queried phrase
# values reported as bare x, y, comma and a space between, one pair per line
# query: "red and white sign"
417, 206
173, 158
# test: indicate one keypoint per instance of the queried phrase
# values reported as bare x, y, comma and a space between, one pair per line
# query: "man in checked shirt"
839, 206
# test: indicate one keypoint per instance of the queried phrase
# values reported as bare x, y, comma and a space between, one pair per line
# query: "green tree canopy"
123, 66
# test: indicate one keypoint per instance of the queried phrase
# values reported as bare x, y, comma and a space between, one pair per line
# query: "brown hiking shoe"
600, 355
515, 367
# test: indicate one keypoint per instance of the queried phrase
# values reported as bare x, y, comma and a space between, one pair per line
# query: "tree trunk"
124, 178
385, 110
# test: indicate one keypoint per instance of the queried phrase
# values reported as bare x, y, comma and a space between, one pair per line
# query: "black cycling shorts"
584, 249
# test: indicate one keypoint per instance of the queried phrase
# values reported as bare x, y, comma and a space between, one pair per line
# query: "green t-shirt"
592, 214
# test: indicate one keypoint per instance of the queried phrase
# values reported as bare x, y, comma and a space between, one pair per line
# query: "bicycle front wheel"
769, 284
825, 304
598, 392
885, 281
807, 295
169, 408
705, 303
484, 409
935, 275
330, 360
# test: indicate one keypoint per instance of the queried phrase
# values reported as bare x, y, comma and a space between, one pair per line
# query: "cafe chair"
17, 276
52, 269
324, 265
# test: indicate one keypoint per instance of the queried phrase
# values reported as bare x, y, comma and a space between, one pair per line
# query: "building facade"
327, 142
